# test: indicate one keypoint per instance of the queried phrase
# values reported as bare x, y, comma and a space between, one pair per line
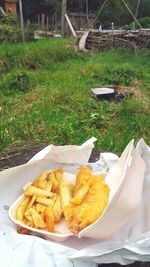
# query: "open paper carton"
125, 181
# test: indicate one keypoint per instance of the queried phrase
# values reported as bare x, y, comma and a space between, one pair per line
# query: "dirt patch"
19, 153
122, 92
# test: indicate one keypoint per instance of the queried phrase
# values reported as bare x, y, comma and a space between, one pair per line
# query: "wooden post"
87, 13
132, 14
63, 12
39, 20
21, 20
43, 21
47, 23
136, 12
137, 8
112, 25
55, 21
70, 26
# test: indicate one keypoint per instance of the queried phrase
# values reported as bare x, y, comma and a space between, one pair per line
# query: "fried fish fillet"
83, 182
92, 205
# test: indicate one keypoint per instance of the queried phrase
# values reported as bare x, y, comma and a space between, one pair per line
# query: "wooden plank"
70, 26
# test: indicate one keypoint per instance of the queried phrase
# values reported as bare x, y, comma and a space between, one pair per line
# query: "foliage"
113, 11
7, 34
45, 95
35, 7
145, 23
9, 19
10, 29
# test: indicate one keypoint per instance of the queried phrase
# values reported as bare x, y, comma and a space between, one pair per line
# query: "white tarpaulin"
131, 243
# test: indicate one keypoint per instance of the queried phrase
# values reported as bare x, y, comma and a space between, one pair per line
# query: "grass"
45, 95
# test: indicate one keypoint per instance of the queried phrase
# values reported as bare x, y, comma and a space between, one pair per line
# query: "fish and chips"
49, 199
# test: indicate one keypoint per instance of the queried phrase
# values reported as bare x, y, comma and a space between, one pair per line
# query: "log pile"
100, 40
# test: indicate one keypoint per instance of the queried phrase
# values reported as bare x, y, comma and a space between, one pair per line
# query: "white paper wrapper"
67, 154
131, 243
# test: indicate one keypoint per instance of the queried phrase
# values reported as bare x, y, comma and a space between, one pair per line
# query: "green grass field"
45, 95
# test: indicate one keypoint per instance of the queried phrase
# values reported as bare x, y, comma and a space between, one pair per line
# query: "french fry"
65, 194
40, 207
35, 183
49, 218
57, 209
41, 184
83, 176
48, 186
22, 208
26, 186
55, 183
80, 194
50, 176
38, 220
32, 202
32, 190
59, 174
44, 176
41, 181
55, 186
45, 201
28, 217
33, 216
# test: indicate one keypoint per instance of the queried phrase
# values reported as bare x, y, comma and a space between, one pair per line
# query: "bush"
9, 19
145, 23
9, 34
10, 30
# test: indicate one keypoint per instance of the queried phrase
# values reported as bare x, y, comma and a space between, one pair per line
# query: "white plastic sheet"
130, 244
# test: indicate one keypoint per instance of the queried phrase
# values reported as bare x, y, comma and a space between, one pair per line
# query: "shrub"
145, 23
8, 34
9, 19
10, 29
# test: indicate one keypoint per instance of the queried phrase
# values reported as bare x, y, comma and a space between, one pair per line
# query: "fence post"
21, 20
63, 12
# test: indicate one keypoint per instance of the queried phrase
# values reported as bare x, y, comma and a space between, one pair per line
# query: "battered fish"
90, 204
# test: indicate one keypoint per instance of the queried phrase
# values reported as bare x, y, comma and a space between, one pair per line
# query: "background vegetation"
114, 10
10, 29
45, 95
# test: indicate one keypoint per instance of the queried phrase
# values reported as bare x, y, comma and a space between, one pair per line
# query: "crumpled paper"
70, 154
131, 243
